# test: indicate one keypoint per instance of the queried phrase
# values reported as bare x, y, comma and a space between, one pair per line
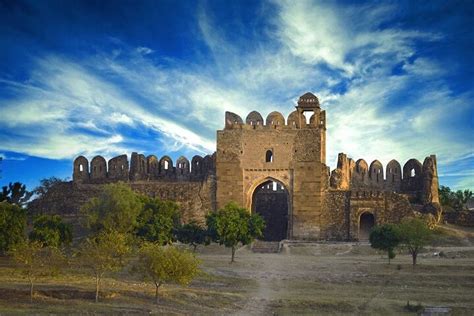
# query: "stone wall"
341, 219
289, 152
142, 168
419, 181
196, 198
464, 218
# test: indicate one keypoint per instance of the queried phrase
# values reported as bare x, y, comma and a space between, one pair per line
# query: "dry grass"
307, 279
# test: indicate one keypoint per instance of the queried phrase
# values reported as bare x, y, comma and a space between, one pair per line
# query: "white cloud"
311, 47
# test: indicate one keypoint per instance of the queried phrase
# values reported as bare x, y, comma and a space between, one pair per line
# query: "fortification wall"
291, 152
343, 210
196, 198
142, 168
419, 182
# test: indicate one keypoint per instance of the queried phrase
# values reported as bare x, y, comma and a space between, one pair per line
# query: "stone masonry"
322, 204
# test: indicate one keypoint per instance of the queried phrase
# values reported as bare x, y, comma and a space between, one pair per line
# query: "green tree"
385, 237
51, 231
15, 193
193, 234
116, 208
35, 261
12, 225
454, 200
415, 235
103, 253
233, 225
157, 220
163, 265
46, 184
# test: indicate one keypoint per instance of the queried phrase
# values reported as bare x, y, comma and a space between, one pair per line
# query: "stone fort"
274, 167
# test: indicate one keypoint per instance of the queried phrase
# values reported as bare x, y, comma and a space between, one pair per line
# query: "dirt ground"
304, 279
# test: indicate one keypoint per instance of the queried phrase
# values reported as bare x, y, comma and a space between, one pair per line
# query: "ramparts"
142, 168
418, 181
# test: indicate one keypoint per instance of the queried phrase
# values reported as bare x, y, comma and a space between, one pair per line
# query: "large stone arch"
254, 118
271, 198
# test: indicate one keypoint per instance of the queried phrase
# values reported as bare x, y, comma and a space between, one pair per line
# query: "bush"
51, 231
157, 220
193, 234
12, 225
385, 237
116, 209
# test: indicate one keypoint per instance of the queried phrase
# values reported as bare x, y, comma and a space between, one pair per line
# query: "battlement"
142, 168
415, 179
275, 120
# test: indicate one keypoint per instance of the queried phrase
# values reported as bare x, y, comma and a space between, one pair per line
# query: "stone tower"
276, 155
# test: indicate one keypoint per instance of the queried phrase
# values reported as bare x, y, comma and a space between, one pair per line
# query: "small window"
81, 168
269, 156
275, 186
166, 164
412, 173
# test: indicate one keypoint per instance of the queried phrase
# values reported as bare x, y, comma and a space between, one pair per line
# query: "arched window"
269, 156
81, 168
166, 164
412, 172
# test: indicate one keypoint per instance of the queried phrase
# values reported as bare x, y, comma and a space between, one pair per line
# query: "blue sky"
112, 77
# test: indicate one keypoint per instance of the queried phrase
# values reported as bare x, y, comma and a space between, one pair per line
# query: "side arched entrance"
270, 199
366, 223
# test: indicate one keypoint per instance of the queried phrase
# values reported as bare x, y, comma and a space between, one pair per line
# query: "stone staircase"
260, 246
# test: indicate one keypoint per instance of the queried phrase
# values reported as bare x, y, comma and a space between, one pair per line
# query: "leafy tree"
385, 237
51, 231
233, 224
415, 235
15, 193
46, 184
193, 234
36, 261
116, 208
163, 265
12, 225
455, 200
157, 220
103, 253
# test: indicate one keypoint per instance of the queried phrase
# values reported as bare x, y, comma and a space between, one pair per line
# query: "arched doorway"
270, 200
366, 222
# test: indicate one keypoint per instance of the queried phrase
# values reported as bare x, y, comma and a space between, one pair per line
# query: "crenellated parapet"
142, 168
275, 120
420, 181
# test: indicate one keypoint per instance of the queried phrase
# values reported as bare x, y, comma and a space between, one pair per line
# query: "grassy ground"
317, 278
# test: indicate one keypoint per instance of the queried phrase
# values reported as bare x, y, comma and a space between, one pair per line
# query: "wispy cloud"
384, 98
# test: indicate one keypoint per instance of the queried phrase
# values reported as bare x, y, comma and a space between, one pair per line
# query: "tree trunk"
31, 289
194, 247
233, 254
157, 286
413, 256
97, 285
